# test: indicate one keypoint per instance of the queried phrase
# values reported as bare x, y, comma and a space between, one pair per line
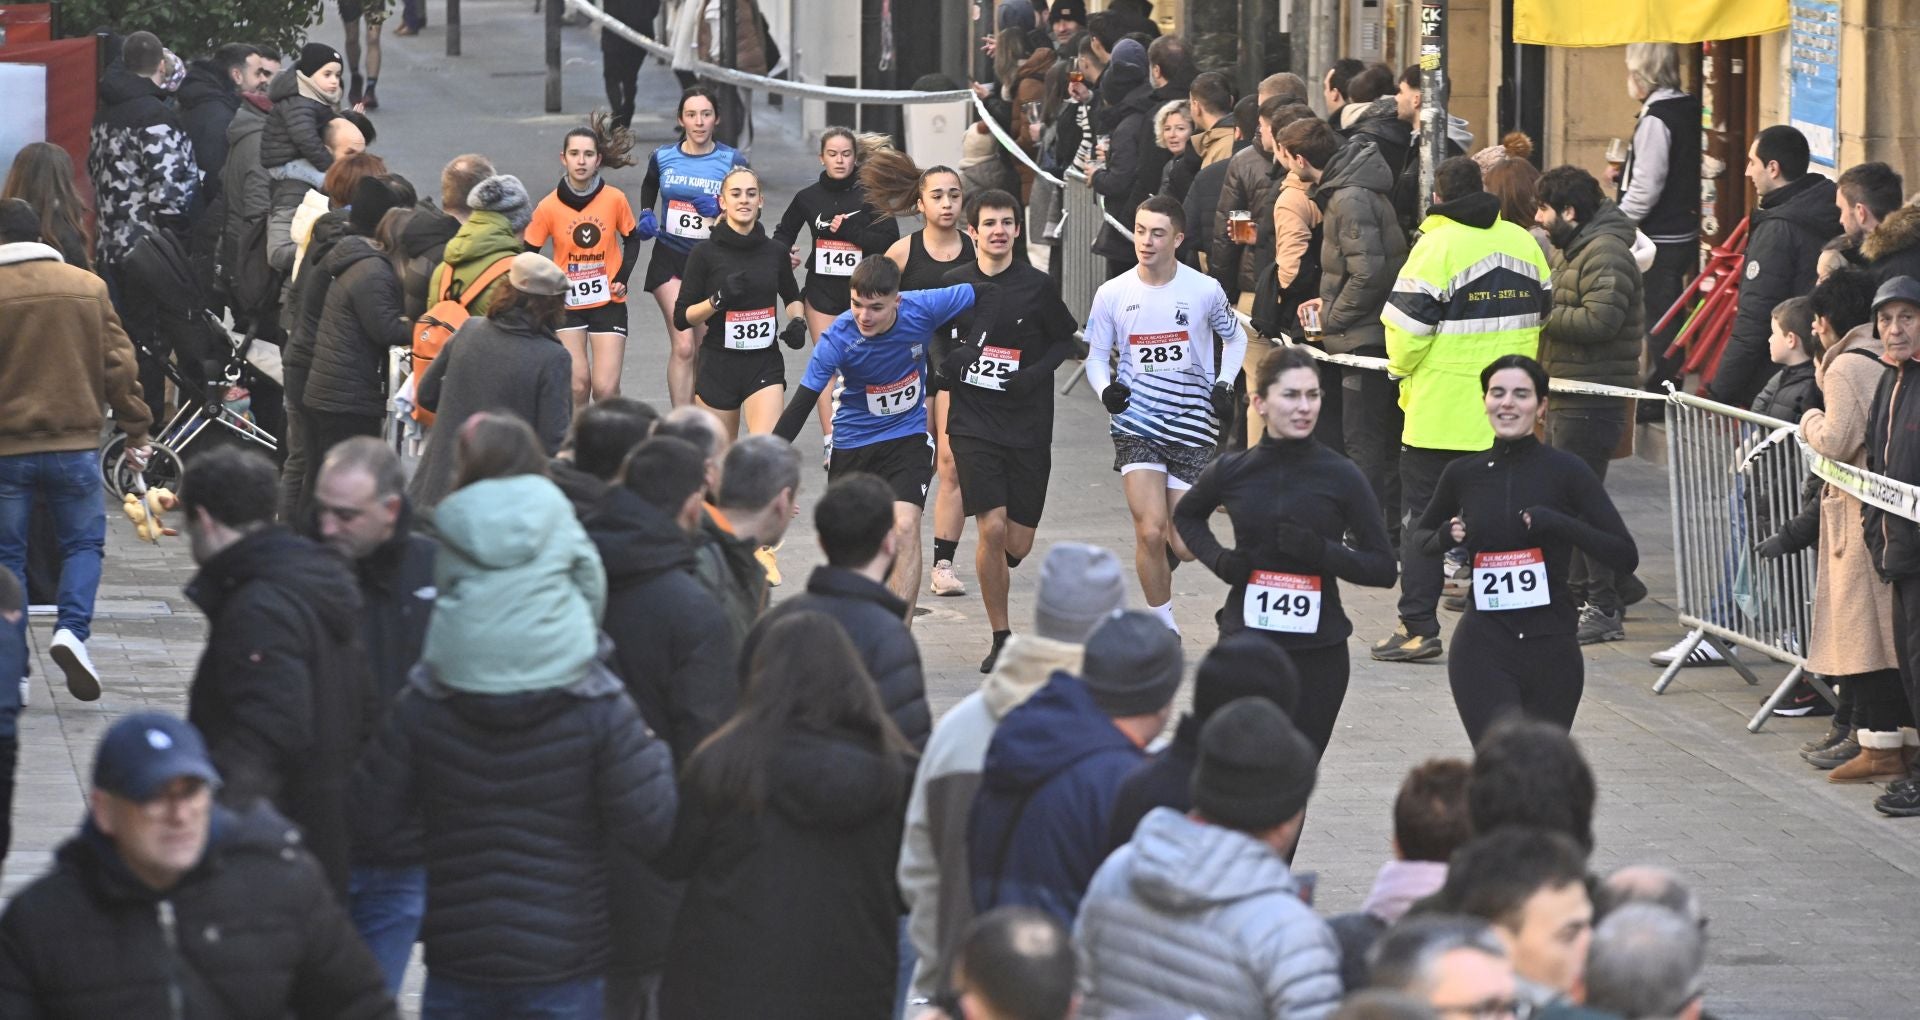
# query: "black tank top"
923, 271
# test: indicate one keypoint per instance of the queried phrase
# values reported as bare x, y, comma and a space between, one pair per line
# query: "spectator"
1643, 883
1438, 339
1885, 231
1406, 188
210, 97
1297, 236
1893, 449
1201, 912
1429, 823
621, 60
1797, 214
1456, 965
1530, 884
1239, 666
508, 361
1076, 123
293, 207
1251, 181
279, 691
759, 484
424, 243
361, 512
1592, 334
41, 175
154, 844
1127, 98
1333, 86
1080, 585
1202, 196
1646, 962
141, 160
1373, 112
304, 100
595, 453
788, 830
363, 316
1530, 773
1023, 82
1211, 99
1038, 827
1173, 131
1066, 19
854, 519
52, 428
1014, 963
1514, 180
1660, 187
246, 194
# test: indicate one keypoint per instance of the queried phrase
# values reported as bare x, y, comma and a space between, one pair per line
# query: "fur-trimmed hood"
1897, 233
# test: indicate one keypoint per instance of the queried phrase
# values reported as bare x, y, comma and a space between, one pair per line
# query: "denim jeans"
448, 999
70, 483
387, 904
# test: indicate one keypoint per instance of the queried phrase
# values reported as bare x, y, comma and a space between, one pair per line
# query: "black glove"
1233, 566
1546, 520
1029, 379
1299, 544
1116, 396
1222, 397
1774, 548
794, 335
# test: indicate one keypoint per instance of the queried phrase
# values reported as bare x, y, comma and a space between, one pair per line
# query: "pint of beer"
1313, 323
1240, 226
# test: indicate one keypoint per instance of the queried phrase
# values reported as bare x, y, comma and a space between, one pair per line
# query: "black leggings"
1879, 700
1323, 689
1494, 673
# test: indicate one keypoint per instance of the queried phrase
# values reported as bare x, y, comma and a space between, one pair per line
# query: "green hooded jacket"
483, 240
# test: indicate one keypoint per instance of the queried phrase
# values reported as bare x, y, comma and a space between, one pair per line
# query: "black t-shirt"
1033, 332
770, 283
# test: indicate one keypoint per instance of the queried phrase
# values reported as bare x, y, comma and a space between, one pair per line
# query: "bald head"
1017, 962
457, 181
1646, 883
343, 138
699, 426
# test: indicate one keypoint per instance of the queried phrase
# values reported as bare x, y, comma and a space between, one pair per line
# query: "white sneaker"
945, 581
70, 654
1703, 654
26, 692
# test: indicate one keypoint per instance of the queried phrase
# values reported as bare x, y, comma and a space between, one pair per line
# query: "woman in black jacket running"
1520, 508
1291, 500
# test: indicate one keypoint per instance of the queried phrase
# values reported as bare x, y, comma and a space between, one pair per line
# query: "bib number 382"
749, 330
894, 397
1509, 580
1286, 603
1157, 353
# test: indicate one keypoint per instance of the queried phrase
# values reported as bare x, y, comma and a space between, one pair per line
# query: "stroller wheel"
110, 454
163, 469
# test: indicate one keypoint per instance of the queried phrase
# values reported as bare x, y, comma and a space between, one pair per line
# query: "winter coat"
1201, 199
208, 102
933, 853
1250, 184
1784, 236
306, 303
484, 239
1893, 449
1853, 625
873, 618
1029, 86
423, 243
141, 161
1038, 827
292, 207
727, 567
521, 796
1361, 247
1126, 104
1379, 121
1164, 780
1193, 917
1398, 886
791, 910
510, 364
251, 931
63, 356
1593, 333
243, 182
293, 128
1215, 143
521, 590
1893, 248
363, 316
750, 50
1176, 179
279, 693
1789, 393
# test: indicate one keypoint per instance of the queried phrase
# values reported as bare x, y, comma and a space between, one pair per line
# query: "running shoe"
1597, 625
1401, 646
1803, 702
70, 654
1902, 799
993, 656
946, 583
1703, 654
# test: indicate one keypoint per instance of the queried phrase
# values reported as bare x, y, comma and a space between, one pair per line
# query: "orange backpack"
433, 329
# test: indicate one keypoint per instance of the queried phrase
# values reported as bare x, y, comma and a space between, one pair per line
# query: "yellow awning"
1592, 23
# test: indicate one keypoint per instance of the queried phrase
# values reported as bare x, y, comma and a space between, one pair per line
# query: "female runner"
1291, 501
1520, 508
684, 177
596, 242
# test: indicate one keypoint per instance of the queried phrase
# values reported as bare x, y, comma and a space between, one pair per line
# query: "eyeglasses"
1488, 1009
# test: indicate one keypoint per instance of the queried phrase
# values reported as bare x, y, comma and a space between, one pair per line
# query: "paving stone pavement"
1810, 892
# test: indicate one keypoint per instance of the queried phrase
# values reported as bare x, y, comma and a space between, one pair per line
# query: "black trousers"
293, 446
1420, 575
1906, 638
1591, 434
1673, 265
1879, 700
1371, 422
1330, 429
325, 429
620, 63
1493, 674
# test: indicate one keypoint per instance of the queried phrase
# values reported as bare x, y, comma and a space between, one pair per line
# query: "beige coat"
1852, 607
1294, 218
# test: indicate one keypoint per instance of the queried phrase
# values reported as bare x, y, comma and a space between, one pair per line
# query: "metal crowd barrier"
1081, 271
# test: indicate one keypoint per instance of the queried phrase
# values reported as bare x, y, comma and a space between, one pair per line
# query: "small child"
1795, 347
293, 146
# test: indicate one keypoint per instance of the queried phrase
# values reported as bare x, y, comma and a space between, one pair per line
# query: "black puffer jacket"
293, 128
1893, 449
1361, 247
1592, 334
872, 617
1126, 102
207, 101
250, 932
1784, 238
521, 794
423, 243
278, 692
364, 314
1380, 121
306, 301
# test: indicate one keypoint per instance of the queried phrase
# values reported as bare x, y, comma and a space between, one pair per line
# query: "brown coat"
1215, 143
63, 354
1295, 216
1852, 607
1029, 86
750, 55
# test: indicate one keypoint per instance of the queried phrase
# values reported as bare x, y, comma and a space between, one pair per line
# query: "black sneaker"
1902, 799
1400, 646
1803, 702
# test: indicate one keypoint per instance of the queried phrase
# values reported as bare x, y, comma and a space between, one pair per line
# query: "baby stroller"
169, 321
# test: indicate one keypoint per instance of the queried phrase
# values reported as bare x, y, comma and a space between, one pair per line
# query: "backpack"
433, 329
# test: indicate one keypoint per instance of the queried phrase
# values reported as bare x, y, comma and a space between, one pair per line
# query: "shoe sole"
1691, 662
1403, 656
1883, 777
1618, 635
81, 683
1793, 713
947, 593
1899, 812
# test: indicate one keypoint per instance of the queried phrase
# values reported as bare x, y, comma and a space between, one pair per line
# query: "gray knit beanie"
1080, 585
504, 194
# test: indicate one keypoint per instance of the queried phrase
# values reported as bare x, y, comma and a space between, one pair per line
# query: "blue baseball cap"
144, 752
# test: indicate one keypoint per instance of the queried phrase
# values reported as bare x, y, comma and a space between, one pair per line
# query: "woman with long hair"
897, 187
1513, 181
596, 242
42, 177
789, 828
684, 178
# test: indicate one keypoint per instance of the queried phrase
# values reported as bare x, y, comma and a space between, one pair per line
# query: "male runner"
351, 14
1000, 421
1168, 398
878, 347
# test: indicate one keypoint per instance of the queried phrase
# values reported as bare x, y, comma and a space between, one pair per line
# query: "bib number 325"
1285, 603
1509, 580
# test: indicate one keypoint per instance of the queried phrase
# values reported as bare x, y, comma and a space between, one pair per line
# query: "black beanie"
314, 56
1245, 665
372, 198
1255, 769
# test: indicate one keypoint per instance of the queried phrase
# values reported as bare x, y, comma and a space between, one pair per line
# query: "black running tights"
1494, 673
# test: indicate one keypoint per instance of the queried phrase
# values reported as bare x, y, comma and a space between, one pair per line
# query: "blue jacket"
1038, 829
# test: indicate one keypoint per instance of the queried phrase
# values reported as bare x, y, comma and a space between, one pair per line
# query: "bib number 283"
1156, 353
1509, 580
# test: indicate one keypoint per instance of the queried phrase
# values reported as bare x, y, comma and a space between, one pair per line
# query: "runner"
739, 274
596, 241
1292, 501
845, 230
879, 349
894, 185
360, 89
1520, 508
684, 177
1168, 398
1000, 422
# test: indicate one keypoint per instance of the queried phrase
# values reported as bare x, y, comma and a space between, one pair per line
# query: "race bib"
894, 398
990, 370
1286, 603
749, 330
587, 285
1154, 353
683, 220
1509, 580
835, 258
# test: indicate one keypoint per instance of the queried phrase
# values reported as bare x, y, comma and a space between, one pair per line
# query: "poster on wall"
25, 86
1813, 77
